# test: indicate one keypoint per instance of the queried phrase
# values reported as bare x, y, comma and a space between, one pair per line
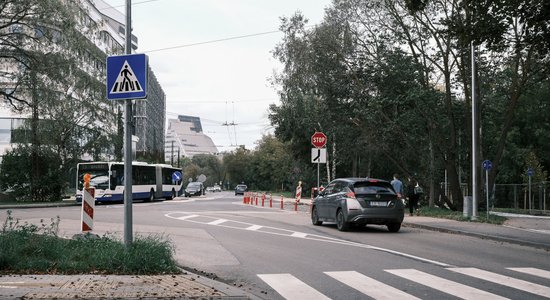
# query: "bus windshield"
99, 176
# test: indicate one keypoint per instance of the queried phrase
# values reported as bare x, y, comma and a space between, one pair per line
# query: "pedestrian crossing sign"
127, 77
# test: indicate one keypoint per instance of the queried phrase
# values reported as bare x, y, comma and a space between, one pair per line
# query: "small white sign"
319, 155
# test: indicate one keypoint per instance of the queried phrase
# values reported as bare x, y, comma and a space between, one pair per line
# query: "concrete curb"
480, 235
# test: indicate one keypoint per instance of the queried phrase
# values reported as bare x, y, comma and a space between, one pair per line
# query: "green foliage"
31, 249
15, 175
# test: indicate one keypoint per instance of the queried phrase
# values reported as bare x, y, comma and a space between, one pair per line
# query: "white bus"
150, 181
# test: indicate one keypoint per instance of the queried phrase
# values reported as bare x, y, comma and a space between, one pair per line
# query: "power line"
214, 41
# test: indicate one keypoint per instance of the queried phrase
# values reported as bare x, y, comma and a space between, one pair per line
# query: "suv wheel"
341, 221
315, 217
394, 227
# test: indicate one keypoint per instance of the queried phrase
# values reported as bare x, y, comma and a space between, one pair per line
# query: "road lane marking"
254, 227
370, 287
217, 222
518, 284
291, 287
533, 271
238, 225
187, 217
11, 285
447, 286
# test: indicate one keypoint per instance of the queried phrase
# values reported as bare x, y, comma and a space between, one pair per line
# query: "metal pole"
530, 195
487, 190
317, 177
128, 141
474, 139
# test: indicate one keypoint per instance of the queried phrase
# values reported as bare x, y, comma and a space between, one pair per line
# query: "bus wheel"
172, 195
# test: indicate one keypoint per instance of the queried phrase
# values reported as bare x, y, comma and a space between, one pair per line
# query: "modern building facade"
185, 138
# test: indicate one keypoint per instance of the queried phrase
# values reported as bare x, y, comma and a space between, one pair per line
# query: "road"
277, 254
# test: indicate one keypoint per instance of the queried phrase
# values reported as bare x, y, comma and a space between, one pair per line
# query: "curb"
480, 235
231, 291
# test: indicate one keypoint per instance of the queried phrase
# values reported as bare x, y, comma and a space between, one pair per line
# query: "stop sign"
318, 139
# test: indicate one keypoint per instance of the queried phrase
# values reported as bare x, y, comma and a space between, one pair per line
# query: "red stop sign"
318, 139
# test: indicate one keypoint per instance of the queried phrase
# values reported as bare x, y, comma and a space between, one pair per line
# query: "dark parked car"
240, 189
358, 201
194, 189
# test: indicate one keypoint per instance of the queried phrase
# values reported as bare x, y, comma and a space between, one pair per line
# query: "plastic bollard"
263, 199
282, 207
270, 200
295, 205
256, 199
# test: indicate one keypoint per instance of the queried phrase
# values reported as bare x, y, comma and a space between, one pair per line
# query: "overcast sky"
220, 82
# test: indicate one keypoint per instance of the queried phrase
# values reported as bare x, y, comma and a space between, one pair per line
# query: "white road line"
297, 234
254, 227
10, 285
291, 287
444, 285
187, 217
217, 222
533, 271
370, 287
519, 284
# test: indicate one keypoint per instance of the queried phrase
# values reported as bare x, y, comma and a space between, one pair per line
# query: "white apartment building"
185, 138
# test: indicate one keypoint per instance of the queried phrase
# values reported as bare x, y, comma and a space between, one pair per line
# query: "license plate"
378, 203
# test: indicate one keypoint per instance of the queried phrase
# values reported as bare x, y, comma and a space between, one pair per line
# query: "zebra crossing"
291, 287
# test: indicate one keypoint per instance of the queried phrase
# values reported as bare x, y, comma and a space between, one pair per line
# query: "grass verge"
36, 249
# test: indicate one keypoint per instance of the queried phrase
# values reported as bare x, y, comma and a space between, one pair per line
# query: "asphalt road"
277, 254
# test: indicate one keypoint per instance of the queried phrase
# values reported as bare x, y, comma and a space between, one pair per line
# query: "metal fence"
514, 196
517, 196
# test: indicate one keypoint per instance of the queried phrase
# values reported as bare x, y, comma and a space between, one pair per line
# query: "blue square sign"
127, 77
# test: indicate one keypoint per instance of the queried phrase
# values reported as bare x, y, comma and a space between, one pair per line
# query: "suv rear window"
372, 188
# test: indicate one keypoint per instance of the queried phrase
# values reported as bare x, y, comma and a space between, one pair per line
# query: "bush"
16, 175
31, 249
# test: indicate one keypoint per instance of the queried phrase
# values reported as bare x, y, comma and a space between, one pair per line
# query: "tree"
55, 73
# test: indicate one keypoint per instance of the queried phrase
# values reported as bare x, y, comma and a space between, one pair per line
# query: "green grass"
36, 249
458, 215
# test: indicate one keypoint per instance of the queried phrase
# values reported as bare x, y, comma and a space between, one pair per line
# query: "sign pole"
128, 231
487, 190
317, 177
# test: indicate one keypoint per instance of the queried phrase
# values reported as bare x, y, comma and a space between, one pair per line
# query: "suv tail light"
350, 194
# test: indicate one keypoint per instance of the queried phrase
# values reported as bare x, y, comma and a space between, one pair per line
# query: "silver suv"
240, 189
358, 201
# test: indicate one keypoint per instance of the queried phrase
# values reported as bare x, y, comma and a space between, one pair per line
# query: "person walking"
412, 196
397, 186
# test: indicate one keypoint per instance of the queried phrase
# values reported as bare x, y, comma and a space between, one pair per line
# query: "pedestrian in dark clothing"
412, 196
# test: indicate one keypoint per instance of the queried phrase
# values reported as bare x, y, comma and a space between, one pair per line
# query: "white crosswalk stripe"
447, 286
523, 285
368, 286
291, 287
533, 271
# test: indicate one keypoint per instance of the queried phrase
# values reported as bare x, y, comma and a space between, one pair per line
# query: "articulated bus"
149, 181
